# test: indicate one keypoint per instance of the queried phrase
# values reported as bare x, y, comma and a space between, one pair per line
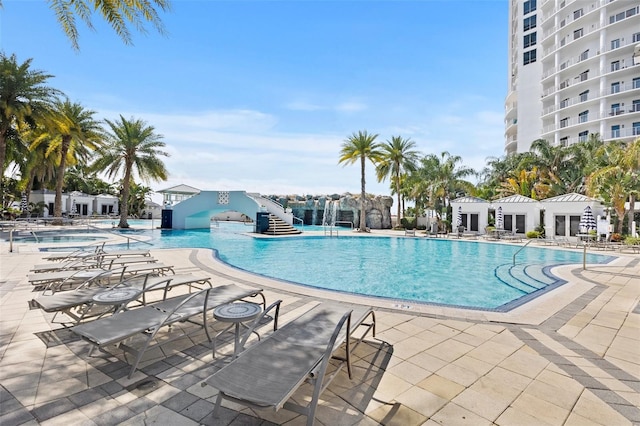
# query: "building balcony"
622, 134
569, 63
593, 29
570, 18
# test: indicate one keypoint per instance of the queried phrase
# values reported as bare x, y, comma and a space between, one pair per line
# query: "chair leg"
216, 408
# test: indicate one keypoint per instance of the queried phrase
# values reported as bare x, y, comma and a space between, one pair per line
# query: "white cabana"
105, 204
519, 213
562, 214
473, 211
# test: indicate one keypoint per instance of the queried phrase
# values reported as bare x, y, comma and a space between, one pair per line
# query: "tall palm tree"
361, 146
36, 165
72, 133
398, 158
118, 14
133, 147
618, 179
24, 97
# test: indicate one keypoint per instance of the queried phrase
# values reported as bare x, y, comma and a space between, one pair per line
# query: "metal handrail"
120, 235
519, 250
345, 222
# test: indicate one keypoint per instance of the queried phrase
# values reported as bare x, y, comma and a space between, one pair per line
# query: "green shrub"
533, 234
409, 222
632, 241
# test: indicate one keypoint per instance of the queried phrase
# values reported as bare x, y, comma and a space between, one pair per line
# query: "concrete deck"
571, 357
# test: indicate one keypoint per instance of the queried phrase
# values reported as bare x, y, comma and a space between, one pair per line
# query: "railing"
120, 235
519, 250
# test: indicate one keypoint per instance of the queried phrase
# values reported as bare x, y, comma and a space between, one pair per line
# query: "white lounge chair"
95, 261
78, 305
147, 320
54, 281
268, 373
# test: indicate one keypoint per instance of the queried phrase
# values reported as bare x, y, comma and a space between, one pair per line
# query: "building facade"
574, 70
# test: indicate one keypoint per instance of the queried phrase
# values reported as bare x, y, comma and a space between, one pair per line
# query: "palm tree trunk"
57, 204
632, 207
4, 130
398, 193
124, 202
363, 214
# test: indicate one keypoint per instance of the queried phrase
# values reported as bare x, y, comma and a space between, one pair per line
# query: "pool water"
57, 239
449, 272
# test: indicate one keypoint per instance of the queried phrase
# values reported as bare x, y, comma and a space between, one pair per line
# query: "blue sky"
259, 95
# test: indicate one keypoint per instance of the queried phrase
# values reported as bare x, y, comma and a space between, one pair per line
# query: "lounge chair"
409, 232
96, 261
147, 320
54, 281
79, 254
78, 304
268, 373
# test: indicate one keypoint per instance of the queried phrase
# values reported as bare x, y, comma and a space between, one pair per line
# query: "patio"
569, 359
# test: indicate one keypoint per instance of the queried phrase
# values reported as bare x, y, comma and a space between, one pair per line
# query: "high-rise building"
574, 70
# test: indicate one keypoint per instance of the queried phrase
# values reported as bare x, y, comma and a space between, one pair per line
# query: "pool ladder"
519, 250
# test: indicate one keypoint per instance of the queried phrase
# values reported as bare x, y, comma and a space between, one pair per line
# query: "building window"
529, 57
615, 131
564, 103
583, 136
564, 141
583, 117
564, 122
584, 96
529, 6
577, 14
615, 66
636, 83
529, 23
577, 34
530, 40
584, 75
636, 37
636, 128
615, 87
615, 43
615, 109
635, 106
584, 55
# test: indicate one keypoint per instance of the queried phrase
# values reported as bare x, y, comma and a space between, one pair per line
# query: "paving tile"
455, 415
487, 406
114, 416
441, 386
52, 409
15, 417
397, 415
87, 396
198, 410
421, 401
180, 401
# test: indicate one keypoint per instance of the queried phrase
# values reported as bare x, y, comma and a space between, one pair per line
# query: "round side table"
235, 314
117, 297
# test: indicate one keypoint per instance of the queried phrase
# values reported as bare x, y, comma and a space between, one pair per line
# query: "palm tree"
118, 14
71, 132
133, 146
361, 146
617, 180
398, 158
24, 97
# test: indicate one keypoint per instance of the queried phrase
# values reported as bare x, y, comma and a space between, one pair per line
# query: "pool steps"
526, 278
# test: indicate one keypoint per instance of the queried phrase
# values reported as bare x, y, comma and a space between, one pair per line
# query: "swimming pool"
450, 272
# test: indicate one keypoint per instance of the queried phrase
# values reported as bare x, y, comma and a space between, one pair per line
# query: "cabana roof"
516, 198
469, 199
180, 189
570, 198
